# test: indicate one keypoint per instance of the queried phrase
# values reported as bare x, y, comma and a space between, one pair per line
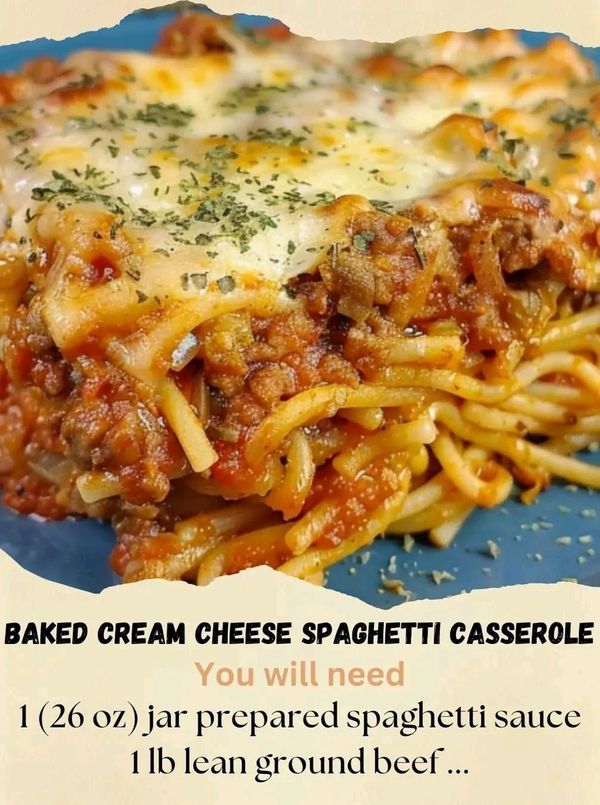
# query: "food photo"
329, 307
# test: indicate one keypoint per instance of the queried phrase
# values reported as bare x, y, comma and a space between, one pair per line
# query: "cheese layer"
146, 185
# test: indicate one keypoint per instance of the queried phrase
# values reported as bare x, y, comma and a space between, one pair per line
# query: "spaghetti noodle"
263, 299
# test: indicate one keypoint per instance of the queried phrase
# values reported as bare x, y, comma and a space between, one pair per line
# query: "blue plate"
531, 539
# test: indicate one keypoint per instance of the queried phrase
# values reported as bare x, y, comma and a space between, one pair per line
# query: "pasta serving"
263, 298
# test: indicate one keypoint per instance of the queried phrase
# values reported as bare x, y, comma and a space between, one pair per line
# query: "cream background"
380, 20
92, 767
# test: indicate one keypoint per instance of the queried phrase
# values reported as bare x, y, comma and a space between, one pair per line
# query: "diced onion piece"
184, 352
95, 486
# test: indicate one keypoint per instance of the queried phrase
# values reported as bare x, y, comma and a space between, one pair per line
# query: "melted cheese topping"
153, 185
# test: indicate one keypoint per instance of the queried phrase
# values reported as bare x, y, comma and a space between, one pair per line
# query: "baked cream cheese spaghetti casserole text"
263, 298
